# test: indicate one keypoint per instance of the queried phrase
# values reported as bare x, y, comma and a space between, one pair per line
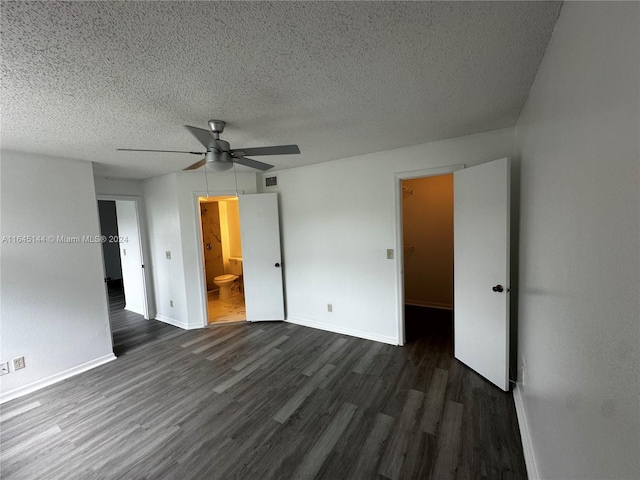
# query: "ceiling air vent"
271, 181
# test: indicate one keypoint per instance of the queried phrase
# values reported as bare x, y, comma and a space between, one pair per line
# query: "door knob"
277, 265
498, 288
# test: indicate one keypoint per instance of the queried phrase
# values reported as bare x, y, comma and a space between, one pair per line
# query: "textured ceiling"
81, 79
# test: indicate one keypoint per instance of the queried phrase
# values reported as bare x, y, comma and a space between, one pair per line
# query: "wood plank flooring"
282, 401
130, 330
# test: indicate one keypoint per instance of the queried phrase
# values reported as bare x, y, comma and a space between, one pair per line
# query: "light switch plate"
389, 253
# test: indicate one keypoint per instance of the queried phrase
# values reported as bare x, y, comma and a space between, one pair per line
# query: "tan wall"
428, 241
233, 224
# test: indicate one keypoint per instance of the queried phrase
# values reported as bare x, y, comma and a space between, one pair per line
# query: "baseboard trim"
177, 323
58, 377
420, 303
525, 435
345, 331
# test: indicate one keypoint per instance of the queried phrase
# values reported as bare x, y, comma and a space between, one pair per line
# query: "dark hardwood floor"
130, 330
268, 401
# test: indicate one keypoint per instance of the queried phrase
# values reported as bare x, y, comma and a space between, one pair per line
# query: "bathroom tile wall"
212, 239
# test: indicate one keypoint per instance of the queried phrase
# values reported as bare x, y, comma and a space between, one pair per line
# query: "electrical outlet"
4, 368
168, 255
18, 363
171, 303
329, 307
124, 252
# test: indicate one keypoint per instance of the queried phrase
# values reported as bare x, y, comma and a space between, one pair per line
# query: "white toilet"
228, 280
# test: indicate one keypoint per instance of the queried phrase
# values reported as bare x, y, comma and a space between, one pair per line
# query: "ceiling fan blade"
276, 150
166, 151
205, 137
196, 165
248, 162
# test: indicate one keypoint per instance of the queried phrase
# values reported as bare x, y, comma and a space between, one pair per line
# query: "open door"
131, 259
481, 269
260, 232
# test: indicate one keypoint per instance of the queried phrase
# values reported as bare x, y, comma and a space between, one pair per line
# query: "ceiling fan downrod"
217, 127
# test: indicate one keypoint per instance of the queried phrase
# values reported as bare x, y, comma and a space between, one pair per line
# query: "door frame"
397, 181
147, 304
202, 281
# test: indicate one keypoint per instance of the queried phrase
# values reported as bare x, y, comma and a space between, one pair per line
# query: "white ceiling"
81, 79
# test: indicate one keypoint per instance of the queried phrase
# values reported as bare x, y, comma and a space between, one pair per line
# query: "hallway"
129, 330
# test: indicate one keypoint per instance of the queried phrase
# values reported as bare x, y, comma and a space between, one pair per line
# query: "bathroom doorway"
427, 232
222, 252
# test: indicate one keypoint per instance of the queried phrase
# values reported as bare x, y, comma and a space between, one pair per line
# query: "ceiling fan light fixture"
218, 161
218, 166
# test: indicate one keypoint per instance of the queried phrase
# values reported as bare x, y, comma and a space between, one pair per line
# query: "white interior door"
481, 269
131, 257
261, 256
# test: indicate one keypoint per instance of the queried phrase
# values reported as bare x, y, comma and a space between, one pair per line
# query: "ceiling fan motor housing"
217, 126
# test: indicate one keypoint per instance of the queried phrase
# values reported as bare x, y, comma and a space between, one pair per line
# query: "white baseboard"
134, 309
420, 303
177, 323
525, 435
345, 331
58, 377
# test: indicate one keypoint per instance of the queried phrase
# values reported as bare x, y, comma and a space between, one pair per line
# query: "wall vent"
271, 181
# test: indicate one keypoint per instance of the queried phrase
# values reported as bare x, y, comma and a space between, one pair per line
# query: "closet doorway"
481, 266
427, 231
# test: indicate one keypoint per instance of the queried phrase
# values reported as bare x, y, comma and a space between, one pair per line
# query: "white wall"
579, 342
163, 225
339, 218
54, 305
118, 186
130, 255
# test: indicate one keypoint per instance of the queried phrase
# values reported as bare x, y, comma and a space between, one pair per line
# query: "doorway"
223, 260
481, 219
123, 248
438, 304
427, 231
122, 254
111, 253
